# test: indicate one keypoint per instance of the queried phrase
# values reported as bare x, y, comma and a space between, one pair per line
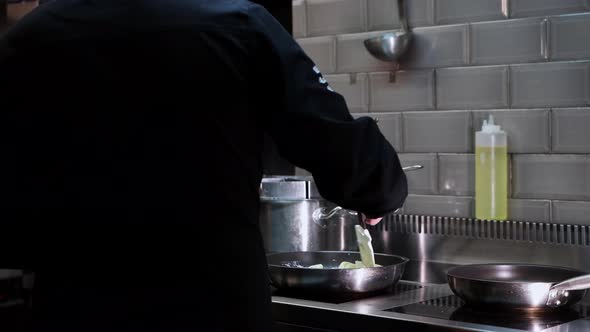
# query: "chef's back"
131, 154
131, 144
125, 119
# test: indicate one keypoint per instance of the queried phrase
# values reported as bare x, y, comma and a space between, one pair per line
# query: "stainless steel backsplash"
467, 241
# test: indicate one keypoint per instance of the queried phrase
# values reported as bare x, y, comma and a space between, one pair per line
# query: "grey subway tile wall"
571, 212
560, 177
408, 91
460, 11
522, 8
456, 174
527, 62
448, 206
571, 130
390, 125
382, 15
442, 46
557, 84
437, 131
423, 181
327, 17
472, 87
299, 20
322, 50
420, 12
354, 88
529, 210
527, 129
507, 42
569, 34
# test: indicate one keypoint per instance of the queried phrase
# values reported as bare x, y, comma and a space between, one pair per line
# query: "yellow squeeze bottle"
491, 172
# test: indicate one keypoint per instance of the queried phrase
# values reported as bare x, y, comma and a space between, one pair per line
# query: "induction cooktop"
344, 297
454, 309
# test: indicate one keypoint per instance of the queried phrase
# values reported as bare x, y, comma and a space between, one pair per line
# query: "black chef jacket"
131, 137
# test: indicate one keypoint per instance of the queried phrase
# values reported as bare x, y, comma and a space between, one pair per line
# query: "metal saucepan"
518, 286
289, 271
294, 217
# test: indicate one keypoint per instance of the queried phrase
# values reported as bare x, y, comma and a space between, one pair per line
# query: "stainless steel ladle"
392, 45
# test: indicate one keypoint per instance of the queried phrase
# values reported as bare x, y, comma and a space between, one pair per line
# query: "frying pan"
289, 271
518, 286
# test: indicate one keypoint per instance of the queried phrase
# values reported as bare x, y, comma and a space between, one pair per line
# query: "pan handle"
559, 293
577, 283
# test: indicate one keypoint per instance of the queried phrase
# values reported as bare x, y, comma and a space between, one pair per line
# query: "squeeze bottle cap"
489, 126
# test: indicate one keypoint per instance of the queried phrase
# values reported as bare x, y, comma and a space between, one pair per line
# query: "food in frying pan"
355, 265
343, 265
363, 239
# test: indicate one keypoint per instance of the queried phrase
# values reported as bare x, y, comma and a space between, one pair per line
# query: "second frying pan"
518, 286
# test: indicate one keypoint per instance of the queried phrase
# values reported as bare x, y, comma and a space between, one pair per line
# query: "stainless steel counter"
422, 301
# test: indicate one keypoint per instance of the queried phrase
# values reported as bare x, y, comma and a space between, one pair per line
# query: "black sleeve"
352, 163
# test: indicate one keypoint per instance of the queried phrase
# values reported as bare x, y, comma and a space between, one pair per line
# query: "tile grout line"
509, 86
335, 45
437, 180
545, 39
434, 7
434, 88
432, 17
471, 130
550, 129
511, 176
366, 16
467, 47
305, 28
402, 130
369, 93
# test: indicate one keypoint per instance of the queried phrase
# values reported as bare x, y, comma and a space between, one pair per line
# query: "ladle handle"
578, 283
412, 168
402, 15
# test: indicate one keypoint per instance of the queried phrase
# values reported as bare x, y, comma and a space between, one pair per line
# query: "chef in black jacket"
131, 137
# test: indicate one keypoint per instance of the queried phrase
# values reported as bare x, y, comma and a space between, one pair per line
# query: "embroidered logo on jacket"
321, 78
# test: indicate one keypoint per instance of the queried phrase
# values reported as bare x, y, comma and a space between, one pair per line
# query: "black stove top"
454, 309
343, 297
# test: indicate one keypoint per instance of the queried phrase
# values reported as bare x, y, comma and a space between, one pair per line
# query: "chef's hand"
371, 221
